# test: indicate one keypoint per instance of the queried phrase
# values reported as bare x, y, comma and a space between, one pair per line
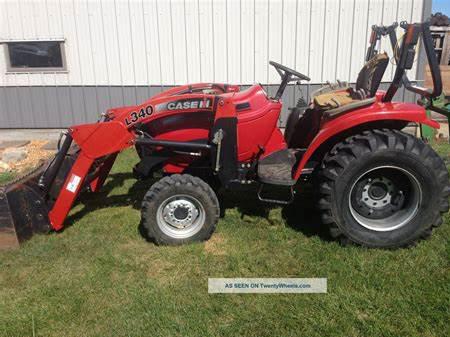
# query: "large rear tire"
383, 188
180, 209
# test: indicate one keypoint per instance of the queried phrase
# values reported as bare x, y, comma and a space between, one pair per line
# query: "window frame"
33, 70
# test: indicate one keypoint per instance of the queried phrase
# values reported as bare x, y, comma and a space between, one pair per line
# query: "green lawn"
5, 177
99, 277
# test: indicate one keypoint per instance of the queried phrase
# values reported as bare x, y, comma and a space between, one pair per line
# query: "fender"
378, 111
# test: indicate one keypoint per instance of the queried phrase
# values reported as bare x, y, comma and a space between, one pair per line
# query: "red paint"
66, 197
100, 139
256, 129
177, 164
256, 124
376, 112
97, 183
275, 143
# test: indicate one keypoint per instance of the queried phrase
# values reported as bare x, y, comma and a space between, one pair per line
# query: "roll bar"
377, 33
413, 32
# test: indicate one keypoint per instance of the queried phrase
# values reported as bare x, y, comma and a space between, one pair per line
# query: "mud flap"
23, 211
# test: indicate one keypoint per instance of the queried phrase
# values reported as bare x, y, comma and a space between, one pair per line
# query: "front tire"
383, 188
179, 209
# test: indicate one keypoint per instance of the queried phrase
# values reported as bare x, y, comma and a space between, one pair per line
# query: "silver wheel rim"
368, 200
180, 216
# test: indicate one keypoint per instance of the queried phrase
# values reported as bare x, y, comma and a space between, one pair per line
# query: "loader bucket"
23, 211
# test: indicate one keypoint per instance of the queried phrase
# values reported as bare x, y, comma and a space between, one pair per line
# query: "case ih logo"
187, 104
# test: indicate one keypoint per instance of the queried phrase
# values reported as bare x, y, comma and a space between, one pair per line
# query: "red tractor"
377, 186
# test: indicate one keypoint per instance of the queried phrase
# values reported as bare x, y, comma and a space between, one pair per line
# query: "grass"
6, 177
99, 277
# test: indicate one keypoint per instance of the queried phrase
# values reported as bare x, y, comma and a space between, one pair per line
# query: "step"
276, 169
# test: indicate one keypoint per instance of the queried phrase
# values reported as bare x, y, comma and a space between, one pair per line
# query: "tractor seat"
335, 102
303, 124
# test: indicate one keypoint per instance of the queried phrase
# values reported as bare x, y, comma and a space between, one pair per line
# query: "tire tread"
349, 150
166, 183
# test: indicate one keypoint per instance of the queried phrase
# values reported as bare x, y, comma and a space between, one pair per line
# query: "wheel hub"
385, 198
180, 213
377, 193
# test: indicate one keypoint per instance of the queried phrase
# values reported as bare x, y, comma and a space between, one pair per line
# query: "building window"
35, 56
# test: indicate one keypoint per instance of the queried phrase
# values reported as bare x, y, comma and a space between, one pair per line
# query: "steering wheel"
283, 71
287, 75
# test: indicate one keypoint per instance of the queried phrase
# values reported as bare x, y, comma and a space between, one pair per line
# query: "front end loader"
377, 186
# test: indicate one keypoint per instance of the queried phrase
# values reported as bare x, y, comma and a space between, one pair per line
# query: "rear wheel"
383, 189
180, 209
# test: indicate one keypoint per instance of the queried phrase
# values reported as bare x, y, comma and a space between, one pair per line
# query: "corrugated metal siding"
62, 106
116, 48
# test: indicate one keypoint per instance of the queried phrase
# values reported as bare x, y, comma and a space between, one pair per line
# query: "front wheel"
383, 189
179, 209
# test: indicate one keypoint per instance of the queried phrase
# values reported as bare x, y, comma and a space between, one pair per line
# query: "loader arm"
41, 202
96, 141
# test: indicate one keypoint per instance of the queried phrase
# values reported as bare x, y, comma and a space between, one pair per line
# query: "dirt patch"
216, 245
140, 256
35, 154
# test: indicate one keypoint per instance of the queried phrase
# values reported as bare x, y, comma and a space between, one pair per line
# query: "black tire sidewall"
408, 161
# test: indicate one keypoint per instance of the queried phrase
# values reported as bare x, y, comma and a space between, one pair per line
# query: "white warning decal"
73, 183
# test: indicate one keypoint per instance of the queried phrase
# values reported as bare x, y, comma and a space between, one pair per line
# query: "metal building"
89, 55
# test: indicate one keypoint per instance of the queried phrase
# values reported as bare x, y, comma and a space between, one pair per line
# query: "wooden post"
445, 58
441, 37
